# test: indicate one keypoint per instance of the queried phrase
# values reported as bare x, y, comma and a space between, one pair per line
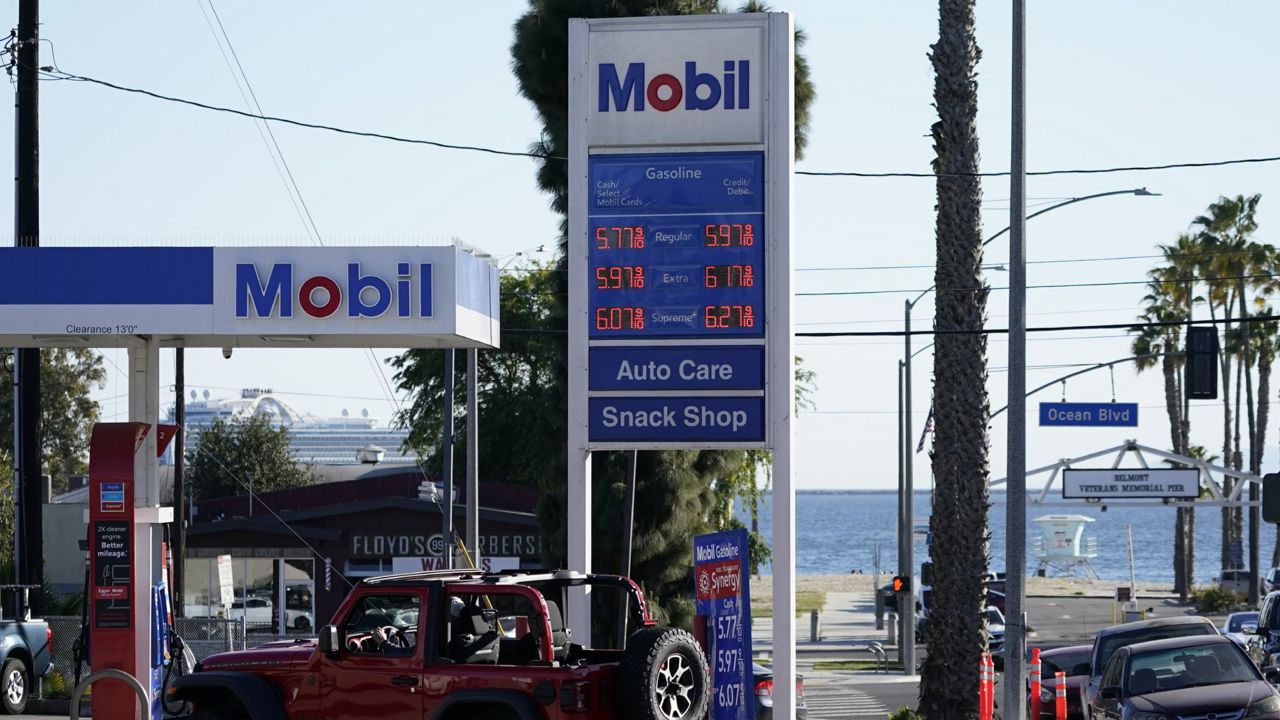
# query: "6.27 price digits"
729, 316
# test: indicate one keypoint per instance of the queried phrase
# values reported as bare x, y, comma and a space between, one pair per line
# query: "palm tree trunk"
960, 464
1225, 362
1172, 405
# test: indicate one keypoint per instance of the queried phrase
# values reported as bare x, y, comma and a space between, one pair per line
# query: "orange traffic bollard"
982, 687
1060, 695
1034, 674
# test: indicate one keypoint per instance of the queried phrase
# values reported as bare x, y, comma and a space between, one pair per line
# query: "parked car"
255, 611
762, 680
1263, 644
1111, 639
1233, 627
1271, 582
1184, 677
1236, 581
1074, 661
25, 644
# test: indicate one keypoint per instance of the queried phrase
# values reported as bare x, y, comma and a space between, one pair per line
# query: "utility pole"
1016, 472
473, 455
179, 485
907, 561
29, 485
446, 455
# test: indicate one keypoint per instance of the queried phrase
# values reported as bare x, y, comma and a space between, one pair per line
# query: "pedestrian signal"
901, 584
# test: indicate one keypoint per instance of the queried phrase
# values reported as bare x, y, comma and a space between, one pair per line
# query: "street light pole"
906, 507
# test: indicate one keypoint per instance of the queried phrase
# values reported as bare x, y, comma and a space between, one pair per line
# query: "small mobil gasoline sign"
722, 596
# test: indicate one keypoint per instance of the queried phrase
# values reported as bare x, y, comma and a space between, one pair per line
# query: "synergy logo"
631, 89
320, 296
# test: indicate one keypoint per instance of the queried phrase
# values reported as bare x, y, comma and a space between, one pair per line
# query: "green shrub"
905, 713
1216, 600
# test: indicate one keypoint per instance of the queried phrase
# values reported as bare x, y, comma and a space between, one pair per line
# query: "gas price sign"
722, 595
676, 245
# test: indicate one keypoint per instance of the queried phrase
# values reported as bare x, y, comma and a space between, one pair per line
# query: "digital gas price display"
676, 245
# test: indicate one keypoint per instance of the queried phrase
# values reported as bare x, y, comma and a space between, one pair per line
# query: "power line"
63, 75
1131, 326
1050, 286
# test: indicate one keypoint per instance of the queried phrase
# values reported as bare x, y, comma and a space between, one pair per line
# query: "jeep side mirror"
329, 644
1249, 629
1271, 673
1111, 692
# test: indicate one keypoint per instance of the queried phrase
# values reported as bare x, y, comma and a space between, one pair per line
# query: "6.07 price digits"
620, 318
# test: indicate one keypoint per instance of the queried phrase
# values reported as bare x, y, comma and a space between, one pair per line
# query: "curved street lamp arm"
1142, 191
1089, 369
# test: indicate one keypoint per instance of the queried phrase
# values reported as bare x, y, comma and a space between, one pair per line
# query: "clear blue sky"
1108, 84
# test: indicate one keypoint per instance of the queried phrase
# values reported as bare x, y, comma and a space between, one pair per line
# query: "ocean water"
837, 532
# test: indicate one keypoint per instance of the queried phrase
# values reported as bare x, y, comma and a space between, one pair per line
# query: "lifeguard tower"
1062, 547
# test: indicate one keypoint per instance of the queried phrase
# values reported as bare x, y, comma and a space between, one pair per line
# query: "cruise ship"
345, 440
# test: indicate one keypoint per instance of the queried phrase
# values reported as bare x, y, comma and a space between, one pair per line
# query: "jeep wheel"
15, 686
302, 623
663, 676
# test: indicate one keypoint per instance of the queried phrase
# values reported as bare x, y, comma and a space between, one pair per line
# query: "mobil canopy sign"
664, 83
249, 296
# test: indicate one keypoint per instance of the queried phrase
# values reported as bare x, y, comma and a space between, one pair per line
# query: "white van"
1236, 581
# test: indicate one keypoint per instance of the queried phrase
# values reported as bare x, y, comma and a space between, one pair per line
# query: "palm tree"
960, 502
1230, 259
1160, 344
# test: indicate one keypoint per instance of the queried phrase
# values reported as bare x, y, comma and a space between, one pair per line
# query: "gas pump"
128, 598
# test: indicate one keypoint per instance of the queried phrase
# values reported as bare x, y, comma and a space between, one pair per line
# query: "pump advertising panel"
721, 579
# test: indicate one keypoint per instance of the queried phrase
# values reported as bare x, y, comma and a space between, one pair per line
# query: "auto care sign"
723, 596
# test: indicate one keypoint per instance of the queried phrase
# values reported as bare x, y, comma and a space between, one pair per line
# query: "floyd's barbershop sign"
424, 545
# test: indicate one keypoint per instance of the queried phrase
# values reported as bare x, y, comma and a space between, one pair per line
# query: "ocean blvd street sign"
1130, 483
1066, 414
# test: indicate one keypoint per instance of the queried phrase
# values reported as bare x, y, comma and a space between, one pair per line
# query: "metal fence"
203, 636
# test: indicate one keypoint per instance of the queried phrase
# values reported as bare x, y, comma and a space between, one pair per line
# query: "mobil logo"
634, 88
407, 293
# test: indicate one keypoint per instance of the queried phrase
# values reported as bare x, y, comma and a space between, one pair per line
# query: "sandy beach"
849, 583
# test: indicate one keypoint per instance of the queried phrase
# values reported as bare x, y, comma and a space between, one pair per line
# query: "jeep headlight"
1264, 707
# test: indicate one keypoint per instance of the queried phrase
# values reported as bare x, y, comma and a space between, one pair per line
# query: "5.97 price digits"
620, 318
729, 235
729, 316
625, 237
620, 277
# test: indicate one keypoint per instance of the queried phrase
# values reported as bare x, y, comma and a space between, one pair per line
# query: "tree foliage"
675, 491
67, 413
238, 455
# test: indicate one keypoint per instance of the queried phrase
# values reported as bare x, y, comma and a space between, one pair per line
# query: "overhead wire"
53, 71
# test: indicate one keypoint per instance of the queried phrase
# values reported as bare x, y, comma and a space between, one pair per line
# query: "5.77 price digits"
624, 237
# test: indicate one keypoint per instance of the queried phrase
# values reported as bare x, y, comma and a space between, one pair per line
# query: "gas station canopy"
248, 297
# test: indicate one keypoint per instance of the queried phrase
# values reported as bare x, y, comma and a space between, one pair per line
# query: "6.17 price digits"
729, 276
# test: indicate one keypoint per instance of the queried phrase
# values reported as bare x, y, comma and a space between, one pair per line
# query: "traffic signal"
926, 574
901, 584
1271, 498
1202, 363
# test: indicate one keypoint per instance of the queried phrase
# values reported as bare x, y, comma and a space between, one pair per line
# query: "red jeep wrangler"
460, 645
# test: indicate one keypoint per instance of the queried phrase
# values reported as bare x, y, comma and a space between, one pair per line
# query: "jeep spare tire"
663, 676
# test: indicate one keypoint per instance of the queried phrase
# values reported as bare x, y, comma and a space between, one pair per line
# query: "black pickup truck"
24, 648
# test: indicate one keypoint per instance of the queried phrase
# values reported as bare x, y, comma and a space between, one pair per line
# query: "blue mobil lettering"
733, 88
320, 296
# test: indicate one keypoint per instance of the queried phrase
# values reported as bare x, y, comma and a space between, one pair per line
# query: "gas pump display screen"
112, 574
676, 245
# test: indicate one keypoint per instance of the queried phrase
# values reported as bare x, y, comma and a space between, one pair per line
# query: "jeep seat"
474, 639
559, 633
